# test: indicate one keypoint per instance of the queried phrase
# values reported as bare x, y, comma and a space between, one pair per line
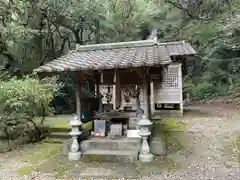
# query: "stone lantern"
145, 125
75, 152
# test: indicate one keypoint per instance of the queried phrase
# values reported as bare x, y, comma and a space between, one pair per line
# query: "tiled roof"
178, 48
118, 55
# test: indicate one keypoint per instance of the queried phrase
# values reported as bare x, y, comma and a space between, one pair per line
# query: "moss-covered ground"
238, 148
171, 131
231, 149
238, 142
46, 156
3, 146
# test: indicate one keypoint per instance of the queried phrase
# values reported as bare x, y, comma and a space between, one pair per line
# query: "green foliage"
236, 90
124, 24
188, 87
27, 96
21, 100
238, 143
39, 31
33, 33
217, 43
25, 170
207, 90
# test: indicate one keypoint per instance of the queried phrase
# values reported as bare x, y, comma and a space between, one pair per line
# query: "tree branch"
60, 51
129, 10
69, 44
4, 51
187, 11
89, 35
3, 21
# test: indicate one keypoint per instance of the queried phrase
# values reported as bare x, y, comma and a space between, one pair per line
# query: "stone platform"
157, 145
123, 149
100, 155
106, 143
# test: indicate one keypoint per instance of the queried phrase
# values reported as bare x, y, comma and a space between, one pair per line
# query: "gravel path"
9, 165
205, 159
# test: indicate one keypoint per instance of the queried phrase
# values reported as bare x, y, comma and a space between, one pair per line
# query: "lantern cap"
144, 121
75, 121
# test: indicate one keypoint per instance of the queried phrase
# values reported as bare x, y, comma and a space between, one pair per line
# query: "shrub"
207, 90
235, 91
189, 88
22, 100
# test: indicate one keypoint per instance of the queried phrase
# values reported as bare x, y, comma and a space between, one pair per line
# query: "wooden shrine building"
116, 69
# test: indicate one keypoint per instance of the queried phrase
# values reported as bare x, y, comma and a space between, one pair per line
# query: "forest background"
33, 32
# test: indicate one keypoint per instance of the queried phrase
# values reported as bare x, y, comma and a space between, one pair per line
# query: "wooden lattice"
169, 89
171, 77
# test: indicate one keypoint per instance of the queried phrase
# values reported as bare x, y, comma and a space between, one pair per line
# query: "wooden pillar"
117, 91
146, 95
180, 88
114, 92
78, 95
97, 88
149, 99
100, 99
114, 96
152, 100
98, 94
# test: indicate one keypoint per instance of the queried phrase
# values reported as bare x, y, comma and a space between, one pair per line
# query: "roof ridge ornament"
155, 39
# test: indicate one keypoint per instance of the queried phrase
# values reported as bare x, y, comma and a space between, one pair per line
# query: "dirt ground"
210, 152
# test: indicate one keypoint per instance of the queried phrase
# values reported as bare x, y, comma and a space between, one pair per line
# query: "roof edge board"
171, 43
130, 44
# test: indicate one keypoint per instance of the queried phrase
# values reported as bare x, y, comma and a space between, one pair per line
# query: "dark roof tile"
118, 55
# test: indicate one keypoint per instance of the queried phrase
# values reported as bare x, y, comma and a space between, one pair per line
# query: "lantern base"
74, 156
146, 158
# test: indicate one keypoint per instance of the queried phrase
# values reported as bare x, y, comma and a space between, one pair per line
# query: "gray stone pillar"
144, 124
75, 152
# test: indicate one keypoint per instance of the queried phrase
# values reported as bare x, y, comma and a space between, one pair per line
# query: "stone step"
111, 144
101, 155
